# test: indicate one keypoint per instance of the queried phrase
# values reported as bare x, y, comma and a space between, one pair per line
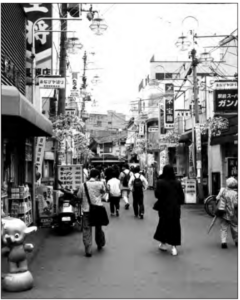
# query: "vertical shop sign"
169, 106
198, 137
141, 129
75, 90
40, 152
43, 39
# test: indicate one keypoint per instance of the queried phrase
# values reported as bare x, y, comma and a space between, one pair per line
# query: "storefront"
21, 123
224, 155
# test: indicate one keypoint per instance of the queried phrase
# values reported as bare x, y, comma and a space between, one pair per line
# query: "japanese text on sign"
52, 83
169, 106
43, 38
226, 100
232, 167
71, 176
40, 152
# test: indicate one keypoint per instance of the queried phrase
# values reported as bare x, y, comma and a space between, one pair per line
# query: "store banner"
169, 106
43, 38
40, 148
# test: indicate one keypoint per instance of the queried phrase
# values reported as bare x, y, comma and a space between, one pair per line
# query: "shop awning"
19, 116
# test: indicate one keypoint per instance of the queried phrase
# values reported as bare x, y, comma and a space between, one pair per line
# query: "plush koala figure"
14, 232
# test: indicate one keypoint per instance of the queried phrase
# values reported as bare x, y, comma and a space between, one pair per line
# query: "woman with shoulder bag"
91, 194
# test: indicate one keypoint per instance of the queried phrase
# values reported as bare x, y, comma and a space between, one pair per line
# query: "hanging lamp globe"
97, 26
183, 43
205, 58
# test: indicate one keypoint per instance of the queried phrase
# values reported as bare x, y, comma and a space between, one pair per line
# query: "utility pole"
63, 60
84, 80
197, 140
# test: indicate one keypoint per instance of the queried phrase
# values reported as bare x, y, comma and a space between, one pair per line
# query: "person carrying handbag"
91, 194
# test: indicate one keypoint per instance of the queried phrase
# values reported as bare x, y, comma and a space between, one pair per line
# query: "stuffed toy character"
14, 232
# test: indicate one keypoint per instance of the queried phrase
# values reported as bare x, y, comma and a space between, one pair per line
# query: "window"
99, 123
109, 123
159, 76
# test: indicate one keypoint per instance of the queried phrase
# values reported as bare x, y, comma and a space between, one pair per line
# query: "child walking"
114, 188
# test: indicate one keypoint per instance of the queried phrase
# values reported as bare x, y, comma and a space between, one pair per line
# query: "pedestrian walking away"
125, 176
227, 210
170, 197
114, 189
96, 190
138, 184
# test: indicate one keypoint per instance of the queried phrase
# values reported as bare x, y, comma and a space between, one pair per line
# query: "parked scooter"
69, 214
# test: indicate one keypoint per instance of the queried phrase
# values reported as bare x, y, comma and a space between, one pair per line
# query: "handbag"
105, 197
97, 214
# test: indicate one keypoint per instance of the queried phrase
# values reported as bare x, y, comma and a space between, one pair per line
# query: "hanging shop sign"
43, 38
71, 176
40, 152
52, 83
226, 101
225, 85
169, 106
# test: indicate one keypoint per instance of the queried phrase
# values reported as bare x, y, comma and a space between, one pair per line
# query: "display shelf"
21, 198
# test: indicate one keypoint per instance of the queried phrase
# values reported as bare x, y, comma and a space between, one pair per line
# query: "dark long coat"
170, 197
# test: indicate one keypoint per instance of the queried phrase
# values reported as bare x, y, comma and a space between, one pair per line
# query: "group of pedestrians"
118, 184
170, 197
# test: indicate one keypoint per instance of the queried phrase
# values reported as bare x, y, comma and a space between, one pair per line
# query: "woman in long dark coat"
170, 196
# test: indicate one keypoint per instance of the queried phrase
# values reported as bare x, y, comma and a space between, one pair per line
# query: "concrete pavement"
131, 266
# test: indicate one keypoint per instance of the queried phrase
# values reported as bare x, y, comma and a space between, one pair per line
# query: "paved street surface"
131, 266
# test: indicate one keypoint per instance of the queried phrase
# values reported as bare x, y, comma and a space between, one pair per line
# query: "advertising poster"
46, 206
190, 191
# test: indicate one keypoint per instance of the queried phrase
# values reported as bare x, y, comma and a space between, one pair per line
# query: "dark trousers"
114, 203
138, 205
87, 234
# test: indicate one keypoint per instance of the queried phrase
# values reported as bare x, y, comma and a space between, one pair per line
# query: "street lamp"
97, 26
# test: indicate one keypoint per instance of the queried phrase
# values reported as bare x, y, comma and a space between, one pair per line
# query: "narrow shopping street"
131, 266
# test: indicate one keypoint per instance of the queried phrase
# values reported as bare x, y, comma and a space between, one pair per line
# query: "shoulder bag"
97, 214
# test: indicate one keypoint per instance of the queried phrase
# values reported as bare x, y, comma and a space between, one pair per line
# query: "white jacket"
113, 186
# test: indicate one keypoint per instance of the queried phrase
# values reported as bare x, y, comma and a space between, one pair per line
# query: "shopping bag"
105, 197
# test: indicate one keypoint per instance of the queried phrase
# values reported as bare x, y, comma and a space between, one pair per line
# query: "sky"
135, 33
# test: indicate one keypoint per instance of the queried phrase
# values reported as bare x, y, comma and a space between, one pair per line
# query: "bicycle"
210, 205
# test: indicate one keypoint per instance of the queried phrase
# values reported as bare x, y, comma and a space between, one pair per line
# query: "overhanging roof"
20, 117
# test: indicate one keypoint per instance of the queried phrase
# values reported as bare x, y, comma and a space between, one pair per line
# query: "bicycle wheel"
210, 205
